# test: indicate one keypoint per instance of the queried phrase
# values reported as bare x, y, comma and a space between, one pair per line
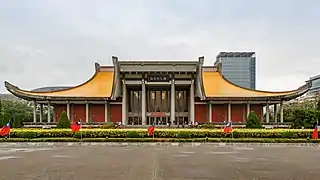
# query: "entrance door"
158, 118
158, 105
182, 106
134, 106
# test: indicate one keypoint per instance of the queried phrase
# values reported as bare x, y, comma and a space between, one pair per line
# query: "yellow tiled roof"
215, 85
100, 85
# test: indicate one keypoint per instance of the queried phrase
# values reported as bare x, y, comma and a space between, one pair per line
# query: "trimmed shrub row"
182, 140
160, 133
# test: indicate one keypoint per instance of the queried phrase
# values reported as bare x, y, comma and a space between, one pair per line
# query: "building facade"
238, 67
315, 86
156, 92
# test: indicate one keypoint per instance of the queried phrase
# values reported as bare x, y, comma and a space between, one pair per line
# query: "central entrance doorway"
182, 100
158, 105
158, 118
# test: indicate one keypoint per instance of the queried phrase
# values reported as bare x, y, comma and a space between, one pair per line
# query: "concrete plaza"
158, 161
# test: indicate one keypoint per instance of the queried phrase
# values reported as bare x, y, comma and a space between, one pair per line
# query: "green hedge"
160, 133
182, 140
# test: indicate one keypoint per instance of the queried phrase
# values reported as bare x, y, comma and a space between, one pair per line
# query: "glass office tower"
238, 67
315, 88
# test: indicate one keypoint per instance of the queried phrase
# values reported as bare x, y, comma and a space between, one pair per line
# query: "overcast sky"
49, 43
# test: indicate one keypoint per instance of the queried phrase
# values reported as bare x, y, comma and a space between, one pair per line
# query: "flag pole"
80, 130
317, 124
231, 129
10, 128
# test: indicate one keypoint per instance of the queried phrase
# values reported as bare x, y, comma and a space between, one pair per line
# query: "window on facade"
148, 101
164, 107
131, 101
153, 96
152, 101
136, 94
163, 95
136, 101
158, 101
181, 101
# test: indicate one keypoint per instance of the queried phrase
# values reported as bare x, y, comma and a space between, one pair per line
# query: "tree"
303, 114
17, 123
15, 111
64, 121
307, 104
253, 121
318, 103
306, 118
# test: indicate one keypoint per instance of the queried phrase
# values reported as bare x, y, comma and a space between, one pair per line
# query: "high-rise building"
238, 67
315, 85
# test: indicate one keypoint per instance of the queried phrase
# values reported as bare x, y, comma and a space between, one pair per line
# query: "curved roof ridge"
217, 86
262, 91
50, 88
98, 86
97, 69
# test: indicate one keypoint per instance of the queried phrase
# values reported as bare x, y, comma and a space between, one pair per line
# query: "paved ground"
160, 162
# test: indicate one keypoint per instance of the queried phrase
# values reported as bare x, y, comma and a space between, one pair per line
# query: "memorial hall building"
156, 92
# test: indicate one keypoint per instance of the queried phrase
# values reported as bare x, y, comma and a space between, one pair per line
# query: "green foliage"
310, 104
288, 115
133, 134
304, 118
207, 126
289, 134
19, 111
303, 114
253, 121
108, 126
160, 133
2, 121
17, 123
183, 134
14, 111
64, 121
181, 140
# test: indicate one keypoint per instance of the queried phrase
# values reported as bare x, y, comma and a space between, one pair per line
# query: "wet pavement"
158, 162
